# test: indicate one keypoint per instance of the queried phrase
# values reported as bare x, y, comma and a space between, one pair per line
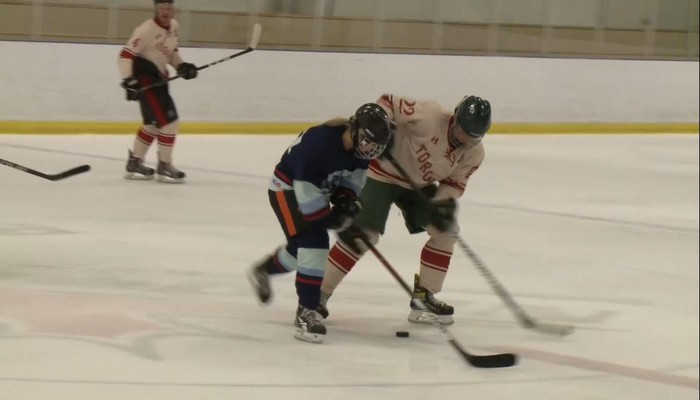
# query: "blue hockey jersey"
315, 166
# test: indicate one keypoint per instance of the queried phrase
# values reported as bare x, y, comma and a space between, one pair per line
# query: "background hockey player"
440, 150
315, 187
142, 62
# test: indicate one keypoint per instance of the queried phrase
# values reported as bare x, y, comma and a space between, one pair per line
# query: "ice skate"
259, 279
169, 174
135, 170
322, 308
434, 308
309, 325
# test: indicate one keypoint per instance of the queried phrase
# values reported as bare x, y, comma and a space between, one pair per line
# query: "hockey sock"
166, 142
144, 138
434, 264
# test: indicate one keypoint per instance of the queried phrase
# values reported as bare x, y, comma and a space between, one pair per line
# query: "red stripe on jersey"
126, 53
284, 178
457, 185
434, 258
341, 258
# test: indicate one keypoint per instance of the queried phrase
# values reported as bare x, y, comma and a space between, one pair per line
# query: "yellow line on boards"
130, 128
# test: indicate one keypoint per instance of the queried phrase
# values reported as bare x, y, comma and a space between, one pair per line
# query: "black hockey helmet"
473, 115
370, 126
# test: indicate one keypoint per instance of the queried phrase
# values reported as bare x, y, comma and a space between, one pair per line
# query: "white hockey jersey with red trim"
422, 148
153, 42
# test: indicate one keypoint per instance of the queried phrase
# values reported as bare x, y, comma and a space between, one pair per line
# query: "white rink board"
80, 82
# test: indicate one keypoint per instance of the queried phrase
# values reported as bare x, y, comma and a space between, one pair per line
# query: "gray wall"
644, 29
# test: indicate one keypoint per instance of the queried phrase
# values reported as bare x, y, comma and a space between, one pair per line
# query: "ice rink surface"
115, 289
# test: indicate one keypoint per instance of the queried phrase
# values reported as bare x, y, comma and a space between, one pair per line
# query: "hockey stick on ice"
257, 29
479, 361
51, 177
523, 318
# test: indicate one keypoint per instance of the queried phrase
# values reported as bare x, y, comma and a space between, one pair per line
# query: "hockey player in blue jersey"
315, 187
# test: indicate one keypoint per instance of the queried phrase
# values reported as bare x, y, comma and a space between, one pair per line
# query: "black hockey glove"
353, 237
441, 213
187, 70
131, 85
345, 209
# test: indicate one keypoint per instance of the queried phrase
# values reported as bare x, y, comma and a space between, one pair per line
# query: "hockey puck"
401, 333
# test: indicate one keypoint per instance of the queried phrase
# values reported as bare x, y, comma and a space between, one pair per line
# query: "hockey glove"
187, 70
353, 237
345, 209
441, 213
131, 85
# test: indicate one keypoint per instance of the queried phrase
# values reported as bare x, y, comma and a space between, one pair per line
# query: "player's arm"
306, 170
184, 69
399, 108
133, 48
454, 185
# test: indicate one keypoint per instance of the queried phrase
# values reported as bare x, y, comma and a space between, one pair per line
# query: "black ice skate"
260, 280
310, 328
135, 170
169, 174
434, 307
322, 308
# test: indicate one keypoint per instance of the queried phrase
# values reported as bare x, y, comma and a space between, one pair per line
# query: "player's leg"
283, 259
135, 167
434, 262
167, 173
377, 198
435, 258
311, 259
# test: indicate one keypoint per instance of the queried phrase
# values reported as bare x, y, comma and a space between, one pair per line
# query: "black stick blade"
503, 360
67, 174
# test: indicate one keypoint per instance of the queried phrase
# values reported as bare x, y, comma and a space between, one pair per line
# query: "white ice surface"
114, 289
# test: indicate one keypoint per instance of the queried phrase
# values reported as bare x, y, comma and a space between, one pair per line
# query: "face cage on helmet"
359, 142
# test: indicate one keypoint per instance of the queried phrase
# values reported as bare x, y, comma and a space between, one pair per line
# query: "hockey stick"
523, 318
520, 314
51, 177
257, 29
479, 361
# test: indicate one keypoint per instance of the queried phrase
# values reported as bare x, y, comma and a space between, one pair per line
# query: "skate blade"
135, 176
167, 179
309, 337
424, 317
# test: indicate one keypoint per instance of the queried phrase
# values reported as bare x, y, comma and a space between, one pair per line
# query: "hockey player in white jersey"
439, 150
142, 62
